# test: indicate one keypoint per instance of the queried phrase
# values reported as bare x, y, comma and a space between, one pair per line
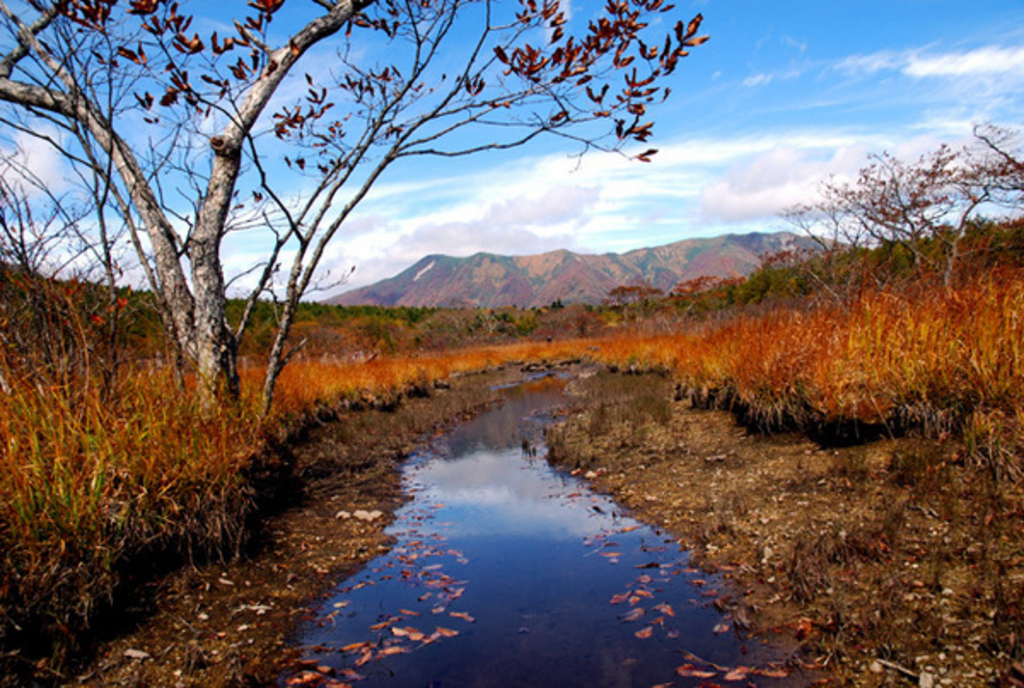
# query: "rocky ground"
886, 563
889, 562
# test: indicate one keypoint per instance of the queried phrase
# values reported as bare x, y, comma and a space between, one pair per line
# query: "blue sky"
784, 94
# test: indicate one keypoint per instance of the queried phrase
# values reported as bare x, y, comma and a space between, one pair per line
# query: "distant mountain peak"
489, 280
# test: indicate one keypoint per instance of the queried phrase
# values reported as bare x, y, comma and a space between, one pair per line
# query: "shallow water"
506, 572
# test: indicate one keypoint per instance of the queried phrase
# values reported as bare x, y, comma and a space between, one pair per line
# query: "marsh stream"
508, 572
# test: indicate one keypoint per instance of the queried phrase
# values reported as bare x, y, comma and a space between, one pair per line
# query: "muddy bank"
887, 563
225, 624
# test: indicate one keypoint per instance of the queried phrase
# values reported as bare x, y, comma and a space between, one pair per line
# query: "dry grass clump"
91, 481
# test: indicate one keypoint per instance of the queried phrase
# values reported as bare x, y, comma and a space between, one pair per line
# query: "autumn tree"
924, 208
186, 127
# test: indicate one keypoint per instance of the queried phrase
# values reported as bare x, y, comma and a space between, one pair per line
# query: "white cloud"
919, 64
873, 63
989, 60
34, 162
768, 183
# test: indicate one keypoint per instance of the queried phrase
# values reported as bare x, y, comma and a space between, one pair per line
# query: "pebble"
926, 680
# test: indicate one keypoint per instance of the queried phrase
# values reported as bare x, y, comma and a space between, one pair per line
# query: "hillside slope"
487, 280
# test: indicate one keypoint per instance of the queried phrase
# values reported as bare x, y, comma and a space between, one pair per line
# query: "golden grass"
94, 483
92, 487
933, 359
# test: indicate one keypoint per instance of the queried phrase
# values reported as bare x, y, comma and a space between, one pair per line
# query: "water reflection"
508, 573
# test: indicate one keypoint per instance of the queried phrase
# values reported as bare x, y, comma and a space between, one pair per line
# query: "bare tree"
188, 129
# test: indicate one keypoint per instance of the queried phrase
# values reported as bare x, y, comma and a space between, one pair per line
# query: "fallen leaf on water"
629, 529
644, 593
645, 632
355, 646
620, 598
408, 632
737, 674
720, 628
665, 608
772, 672
304, 679
409, 612
463, 615
634, 614
351, 675
690, 671
446, 632
393, 650
611, 555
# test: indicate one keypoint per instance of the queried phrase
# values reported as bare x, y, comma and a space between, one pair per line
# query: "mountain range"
487, 280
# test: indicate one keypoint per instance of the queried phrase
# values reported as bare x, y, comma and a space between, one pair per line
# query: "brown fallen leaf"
620, 598
304, 679
645, 632
409, 632
462, 615
393, 650
634, 614
446, 632
737, 674
665, 608
690, 671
